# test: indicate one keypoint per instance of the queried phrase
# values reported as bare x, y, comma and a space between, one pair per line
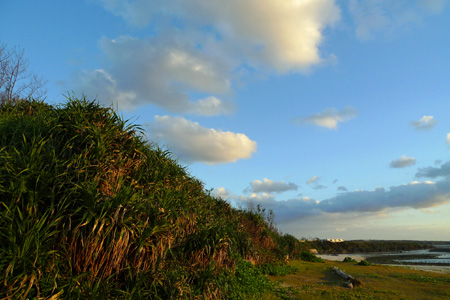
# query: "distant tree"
16, 82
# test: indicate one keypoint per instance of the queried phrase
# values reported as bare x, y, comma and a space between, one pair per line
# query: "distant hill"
89, 209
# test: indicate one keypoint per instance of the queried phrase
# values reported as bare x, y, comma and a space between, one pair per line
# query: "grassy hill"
89, 209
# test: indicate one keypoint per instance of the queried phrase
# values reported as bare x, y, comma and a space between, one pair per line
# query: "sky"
332, 113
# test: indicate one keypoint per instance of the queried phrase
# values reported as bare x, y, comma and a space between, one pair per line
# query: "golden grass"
318, 281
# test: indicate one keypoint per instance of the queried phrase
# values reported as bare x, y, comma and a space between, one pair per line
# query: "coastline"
380, 259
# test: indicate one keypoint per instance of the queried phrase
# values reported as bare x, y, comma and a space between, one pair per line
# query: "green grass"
90, 209
318, 281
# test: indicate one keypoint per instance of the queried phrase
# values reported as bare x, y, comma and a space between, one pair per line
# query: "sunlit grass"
89, 209
318, 281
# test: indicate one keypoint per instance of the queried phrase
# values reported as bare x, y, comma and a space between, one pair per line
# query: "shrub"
349, 260
308, 256
364, 263
89, 209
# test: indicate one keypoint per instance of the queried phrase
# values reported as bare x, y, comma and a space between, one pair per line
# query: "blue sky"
334, 114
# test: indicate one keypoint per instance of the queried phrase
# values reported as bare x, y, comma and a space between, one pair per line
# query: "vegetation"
319, 281
89, 209
349, 260
307, 256
325, 247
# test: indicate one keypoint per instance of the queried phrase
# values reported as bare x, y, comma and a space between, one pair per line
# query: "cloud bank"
416, 195
329, 118
194, 143
432, 172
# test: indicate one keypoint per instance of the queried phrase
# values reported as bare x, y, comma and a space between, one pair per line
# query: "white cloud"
192, 142
158, 71
425, 123
101, 85
222, 193
312, 180
329, 118
270, 186
284, 35
448, 138
402, 162
178, 63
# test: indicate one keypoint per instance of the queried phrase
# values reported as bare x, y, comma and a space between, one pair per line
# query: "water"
437, 259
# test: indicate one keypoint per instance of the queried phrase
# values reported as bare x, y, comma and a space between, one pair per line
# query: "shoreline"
388, 261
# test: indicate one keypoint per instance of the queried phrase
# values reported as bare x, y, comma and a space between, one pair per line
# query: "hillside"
90, 209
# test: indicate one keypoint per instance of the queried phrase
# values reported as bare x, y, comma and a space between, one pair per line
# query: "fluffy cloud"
448, 138
270, 186
329, 118
284, 35
402, 162
432, 172
372, 17
425, 123
157, 71
192, 142
178, 63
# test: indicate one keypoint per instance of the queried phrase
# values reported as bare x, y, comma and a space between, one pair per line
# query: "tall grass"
90, 209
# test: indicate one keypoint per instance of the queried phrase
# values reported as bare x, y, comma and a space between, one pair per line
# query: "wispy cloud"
192, 142
329, 118
425, 123
270, 186
402, 162
312, 180
374, 17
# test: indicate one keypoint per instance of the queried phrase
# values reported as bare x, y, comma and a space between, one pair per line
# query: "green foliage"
364, 263
247, 282
90, 210
349, 260
277, 269
366, 246
308, 256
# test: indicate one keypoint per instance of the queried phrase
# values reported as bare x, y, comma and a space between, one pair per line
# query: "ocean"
437, 259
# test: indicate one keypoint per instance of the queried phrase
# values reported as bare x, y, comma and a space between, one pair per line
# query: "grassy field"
318, 281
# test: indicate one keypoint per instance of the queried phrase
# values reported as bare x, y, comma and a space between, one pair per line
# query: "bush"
364, 263
89, 209
246, 281
308, 256
349, 260
278, 269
